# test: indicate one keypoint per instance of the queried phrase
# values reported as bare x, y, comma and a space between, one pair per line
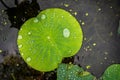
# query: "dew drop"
29, 33
20, 46
111, 7
66, 5
70, 10
22, 54
99, 9
28, 59
48, 37
75, 13
105, 58
19, 37
83, 23
3, 11
17, 64
36, 20
86, 14
66, 33
43, 16
94, 44
88, 66
0, 51
106, 53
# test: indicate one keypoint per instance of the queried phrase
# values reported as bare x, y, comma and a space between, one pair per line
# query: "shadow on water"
22, 12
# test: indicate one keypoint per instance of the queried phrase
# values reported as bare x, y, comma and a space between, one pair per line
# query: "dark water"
99, 20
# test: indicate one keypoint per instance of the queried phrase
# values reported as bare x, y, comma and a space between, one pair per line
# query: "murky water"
99, 20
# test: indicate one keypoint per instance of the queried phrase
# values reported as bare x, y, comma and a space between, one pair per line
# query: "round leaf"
72, 72
44, 40
112, 72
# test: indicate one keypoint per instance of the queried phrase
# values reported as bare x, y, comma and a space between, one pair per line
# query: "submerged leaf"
72, 72
112, 72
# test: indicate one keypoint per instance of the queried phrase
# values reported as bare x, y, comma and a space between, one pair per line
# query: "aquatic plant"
45, 40
72, 72
112, 72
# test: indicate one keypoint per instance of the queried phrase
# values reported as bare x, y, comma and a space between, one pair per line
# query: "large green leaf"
45, 40
112, 72
72, 72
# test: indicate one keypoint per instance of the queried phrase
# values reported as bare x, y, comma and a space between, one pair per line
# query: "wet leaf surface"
72, 72
99, 20
49, 38
112, 72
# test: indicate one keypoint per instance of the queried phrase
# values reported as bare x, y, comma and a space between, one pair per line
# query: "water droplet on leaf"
36, 20
66, 33
20, 46
28, 59
48, 37
43, 16
29, 33
20, 37
22, 54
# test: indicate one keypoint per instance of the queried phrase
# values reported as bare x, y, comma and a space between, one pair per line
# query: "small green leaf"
112, 72
45, 40
72, 72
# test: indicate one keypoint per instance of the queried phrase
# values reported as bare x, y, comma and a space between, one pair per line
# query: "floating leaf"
45, 40
112, 72
72, 72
